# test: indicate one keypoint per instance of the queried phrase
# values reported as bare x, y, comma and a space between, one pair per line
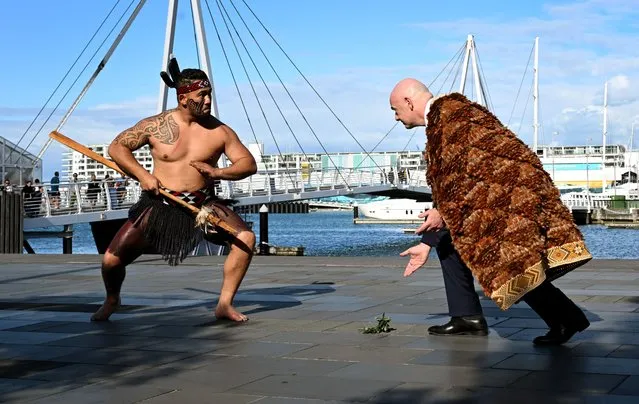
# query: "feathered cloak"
503, 211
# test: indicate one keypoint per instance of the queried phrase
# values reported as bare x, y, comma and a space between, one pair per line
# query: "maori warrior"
186, 144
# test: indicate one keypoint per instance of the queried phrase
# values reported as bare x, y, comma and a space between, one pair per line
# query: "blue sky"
353, 52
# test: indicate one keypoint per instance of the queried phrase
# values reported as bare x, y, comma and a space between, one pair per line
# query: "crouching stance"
185, 144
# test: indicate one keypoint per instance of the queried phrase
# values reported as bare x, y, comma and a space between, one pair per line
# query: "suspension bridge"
75, 202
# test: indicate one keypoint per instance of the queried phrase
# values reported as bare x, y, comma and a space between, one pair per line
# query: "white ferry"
394, 209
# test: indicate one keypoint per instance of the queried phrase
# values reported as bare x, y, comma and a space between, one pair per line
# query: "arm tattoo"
167, 131
162, 127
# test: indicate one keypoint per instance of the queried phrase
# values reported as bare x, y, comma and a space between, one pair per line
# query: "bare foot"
228, 312
106, 310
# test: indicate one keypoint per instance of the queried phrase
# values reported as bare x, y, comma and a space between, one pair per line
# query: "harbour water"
332, 233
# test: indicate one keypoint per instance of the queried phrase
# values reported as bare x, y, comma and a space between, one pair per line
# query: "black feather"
174, 71
167, 80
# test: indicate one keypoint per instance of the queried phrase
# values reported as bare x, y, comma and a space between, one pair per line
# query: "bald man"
460, 134
411, 101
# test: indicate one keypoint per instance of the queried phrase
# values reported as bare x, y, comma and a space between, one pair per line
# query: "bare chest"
187, 144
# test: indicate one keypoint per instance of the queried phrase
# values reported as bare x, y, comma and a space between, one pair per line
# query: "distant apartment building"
357, 161
74, 162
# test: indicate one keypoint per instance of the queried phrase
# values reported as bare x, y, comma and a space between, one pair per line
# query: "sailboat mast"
536, 97
605, 133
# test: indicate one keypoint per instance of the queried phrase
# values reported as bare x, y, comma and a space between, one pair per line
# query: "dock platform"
303, 342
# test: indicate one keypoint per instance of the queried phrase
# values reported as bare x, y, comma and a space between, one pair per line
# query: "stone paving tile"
261, 348
199, 396
9, 385
630, 387
123, 357
574, 364
8, 324
452, 376
366, 354
37, 352
594, 349
626, 351
88, 373
106, 393
31, 338
472, 359
319, 387
555, 380
290, 400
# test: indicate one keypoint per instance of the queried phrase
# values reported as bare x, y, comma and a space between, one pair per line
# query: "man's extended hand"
418, 257
433, 221
206, 169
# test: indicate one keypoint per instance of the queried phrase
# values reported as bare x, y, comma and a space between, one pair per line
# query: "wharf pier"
303, 342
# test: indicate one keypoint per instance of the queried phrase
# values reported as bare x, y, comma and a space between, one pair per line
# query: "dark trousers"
550, 303
458, 280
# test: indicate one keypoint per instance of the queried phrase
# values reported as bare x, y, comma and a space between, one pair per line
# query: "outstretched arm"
242, 162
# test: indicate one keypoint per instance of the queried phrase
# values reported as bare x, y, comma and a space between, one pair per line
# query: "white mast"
476, 78
605, 133
536, 97
471, 56
202, 48
169, 37
469, 45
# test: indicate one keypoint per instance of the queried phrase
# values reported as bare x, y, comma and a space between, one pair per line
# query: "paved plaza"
303, 342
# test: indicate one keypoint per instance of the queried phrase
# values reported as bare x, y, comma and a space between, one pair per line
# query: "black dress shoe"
557, 336
471, 325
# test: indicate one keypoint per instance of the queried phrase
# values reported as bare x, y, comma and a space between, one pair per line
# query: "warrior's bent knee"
110, 261
248, 238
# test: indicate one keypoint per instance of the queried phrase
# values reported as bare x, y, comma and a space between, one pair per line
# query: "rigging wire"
226, 23
483, 84
63, 78
258, 71
312, 87
525, 108
396, 123
520, 85
237, 88
78, 77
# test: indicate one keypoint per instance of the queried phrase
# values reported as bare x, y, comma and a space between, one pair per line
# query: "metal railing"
78, 197
99, 196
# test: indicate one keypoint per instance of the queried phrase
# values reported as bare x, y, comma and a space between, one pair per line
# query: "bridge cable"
460, 66
409, 140
523, 115
287, 91
226, 23
429, 85
63, 78
272, 68
78, 77
248, 118
455, 56
375, 147
520, 85
483, 83
228, 17
314, 90
457, 62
